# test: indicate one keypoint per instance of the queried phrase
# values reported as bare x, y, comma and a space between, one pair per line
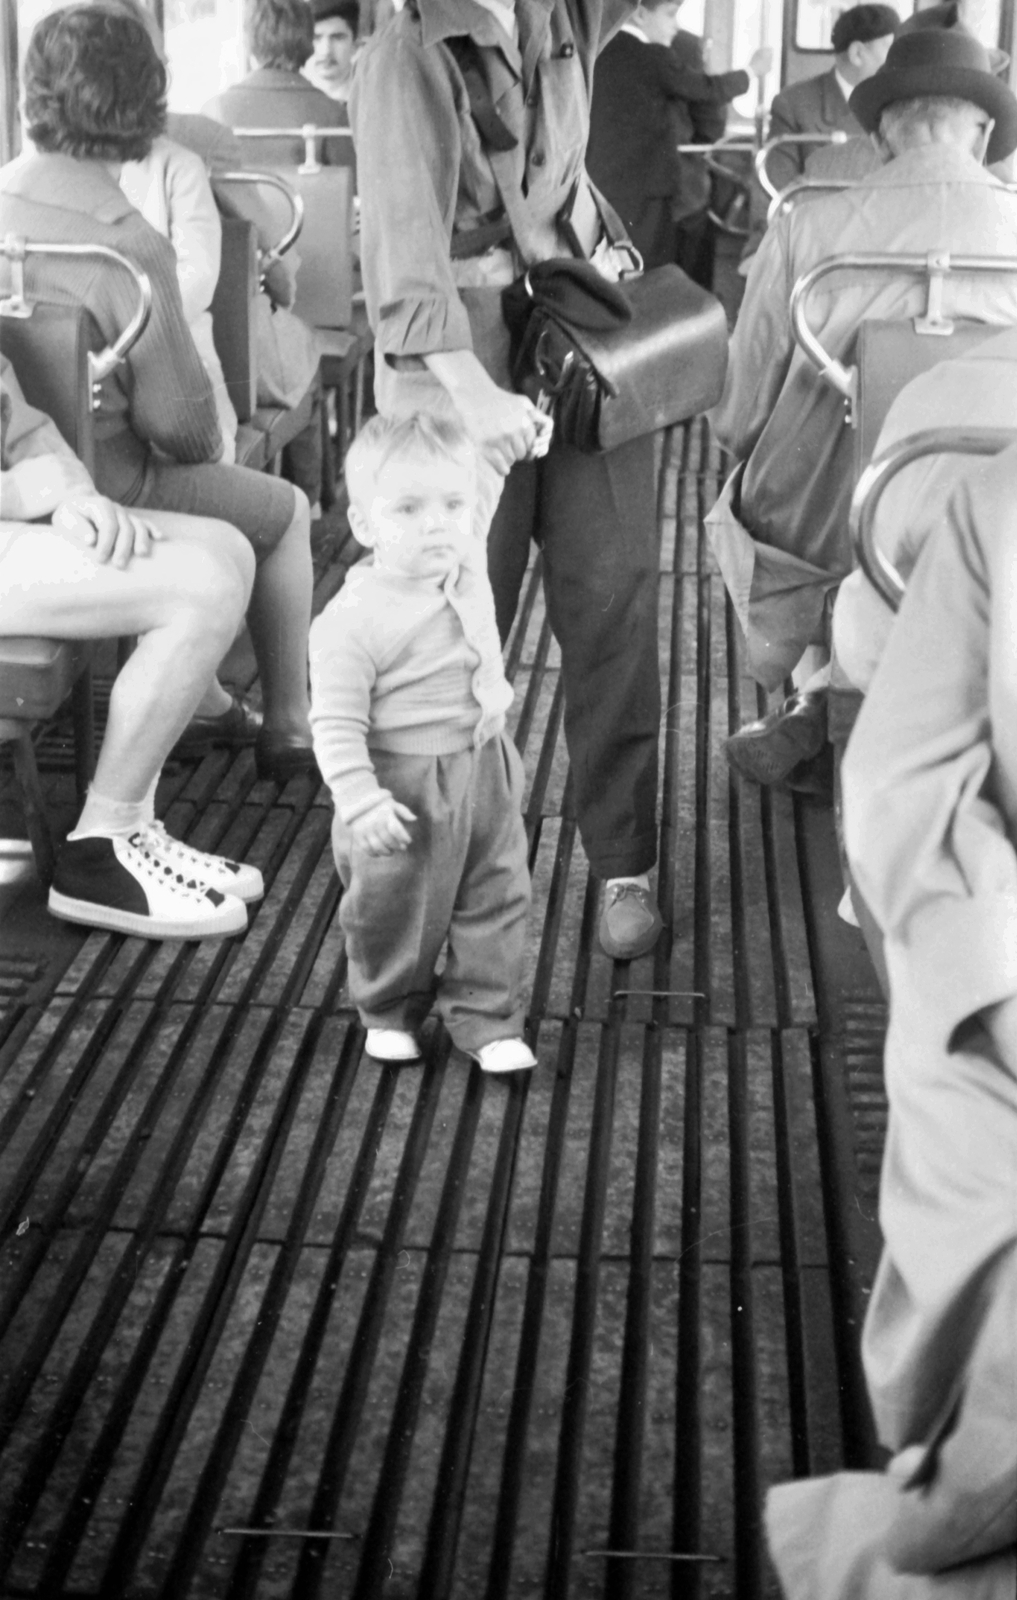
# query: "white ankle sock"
105, 818
642, 879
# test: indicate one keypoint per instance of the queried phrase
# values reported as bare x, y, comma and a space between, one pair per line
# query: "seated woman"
94, 98
75, 566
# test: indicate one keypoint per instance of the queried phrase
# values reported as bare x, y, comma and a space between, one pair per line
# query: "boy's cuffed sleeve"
342, 675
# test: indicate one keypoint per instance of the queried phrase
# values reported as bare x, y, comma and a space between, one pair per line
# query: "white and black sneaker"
215, 872
127, 887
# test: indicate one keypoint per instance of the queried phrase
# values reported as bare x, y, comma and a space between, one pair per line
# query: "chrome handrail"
103, 362
835, 136
935, 264
786, 198
880, 472
277, 181
309, 132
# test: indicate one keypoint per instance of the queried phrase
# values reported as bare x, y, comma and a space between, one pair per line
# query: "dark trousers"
695, 247
595, 518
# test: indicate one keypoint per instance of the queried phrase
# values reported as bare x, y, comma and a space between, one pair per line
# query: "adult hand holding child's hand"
380, 831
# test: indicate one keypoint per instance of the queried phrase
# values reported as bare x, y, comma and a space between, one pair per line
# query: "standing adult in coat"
433, 281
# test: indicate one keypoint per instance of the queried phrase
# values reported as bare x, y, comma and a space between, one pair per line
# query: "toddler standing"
408, 717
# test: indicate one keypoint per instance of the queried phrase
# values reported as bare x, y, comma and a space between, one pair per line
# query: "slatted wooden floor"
470, 1335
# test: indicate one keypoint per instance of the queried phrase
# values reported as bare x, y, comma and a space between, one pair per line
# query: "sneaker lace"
147, 858
622, 891
183, 856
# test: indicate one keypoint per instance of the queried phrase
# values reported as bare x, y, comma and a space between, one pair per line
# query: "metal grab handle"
786, 198
276, 181
717, 144
879, 570
936, 265
837, 136
310, 134
100, 364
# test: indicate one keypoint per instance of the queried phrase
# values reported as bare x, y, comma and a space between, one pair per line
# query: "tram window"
204, 49
814, 20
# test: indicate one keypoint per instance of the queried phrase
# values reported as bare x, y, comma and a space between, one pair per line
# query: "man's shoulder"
802, 101
687, 49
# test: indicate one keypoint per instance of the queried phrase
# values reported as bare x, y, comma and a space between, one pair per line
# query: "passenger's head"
413, 487
861, 38
95, 87
937, 88
280, 33
140, 13
658, 19
947, 17
335, 34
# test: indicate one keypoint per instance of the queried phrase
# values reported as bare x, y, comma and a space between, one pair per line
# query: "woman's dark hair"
280, 33
94, 86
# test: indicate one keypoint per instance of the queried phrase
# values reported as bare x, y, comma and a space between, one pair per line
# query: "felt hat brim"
872, 96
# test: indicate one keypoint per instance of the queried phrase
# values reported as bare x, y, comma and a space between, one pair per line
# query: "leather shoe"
235, 729
768, 750
282, 756
630, 922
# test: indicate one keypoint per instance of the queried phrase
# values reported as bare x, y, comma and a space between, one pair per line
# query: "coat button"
537, 160
532, 99
568, 49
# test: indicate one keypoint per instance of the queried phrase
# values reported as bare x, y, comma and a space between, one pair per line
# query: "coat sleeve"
761, 348
195, 231
404, 122
930, 764
784, 166
170, 397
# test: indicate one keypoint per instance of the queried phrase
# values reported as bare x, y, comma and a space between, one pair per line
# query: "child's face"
420, 516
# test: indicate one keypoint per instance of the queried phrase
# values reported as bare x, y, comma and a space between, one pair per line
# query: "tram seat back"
233, 314
325, 275
889, 354
49, 353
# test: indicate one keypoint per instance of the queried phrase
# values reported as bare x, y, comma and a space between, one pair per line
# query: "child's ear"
360, 524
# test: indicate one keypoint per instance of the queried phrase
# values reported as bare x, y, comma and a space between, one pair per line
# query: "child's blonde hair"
421, 434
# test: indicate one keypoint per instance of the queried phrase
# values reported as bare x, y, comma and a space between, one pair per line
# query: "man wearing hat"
860, 38
780, 529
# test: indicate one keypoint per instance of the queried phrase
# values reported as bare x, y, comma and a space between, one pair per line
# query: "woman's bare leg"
279, 617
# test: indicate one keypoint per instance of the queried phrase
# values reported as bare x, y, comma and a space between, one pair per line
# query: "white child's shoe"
392, 1044
505, 1055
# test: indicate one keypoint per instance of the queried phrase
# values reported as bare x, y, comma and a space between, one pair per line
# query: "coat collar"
447, 19
67, 184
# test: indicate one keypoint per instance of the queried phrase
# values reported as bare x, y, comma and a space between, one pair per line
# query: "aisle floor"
277, 1321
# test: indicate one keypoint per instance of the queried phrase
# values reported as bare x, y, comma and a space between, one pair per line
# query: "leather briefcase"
662, 362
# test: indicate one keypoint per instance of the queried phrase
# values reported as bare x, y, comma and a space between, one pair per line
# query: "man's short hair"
922, 110
94, 86
280, 33
421, 434
347, 10
862, 24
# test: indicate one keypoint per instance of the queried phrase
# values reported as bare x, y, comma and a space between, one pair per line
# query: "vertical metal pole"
10, 122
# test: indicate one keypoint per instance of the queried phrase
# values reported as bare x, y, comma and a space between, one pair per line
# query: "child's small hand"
379, 831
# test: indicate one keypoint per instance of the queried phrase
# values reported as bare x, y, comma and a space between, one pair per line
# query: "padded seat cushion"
37, 675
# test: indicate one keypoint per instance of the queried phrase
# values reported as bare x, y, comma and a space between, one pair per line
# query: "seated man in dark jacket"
631, 154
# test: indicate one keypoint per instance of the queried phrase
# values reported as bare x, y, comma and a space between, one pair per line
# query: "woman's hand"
115, 534
504, 426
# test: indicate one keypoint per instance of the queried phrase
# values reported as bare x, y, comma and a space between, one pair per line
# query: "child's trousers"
464, 876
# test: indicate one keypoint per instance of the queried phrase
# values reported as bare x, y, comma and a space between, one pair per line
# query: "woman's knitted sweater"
397, 664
